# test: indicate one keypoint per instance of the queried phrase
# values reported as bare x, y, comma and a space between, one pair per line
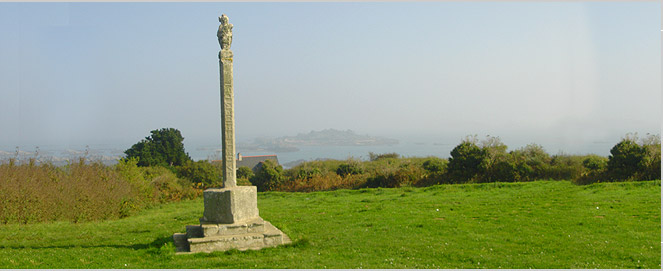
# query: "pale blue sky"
563, 75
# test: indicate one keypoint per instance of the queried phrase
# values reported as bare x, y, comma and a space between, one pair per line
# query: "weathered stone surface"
230, 205
252, 234
181, 243
193, 231
227, 119
255, 225
225, 34
226, 242
270, 236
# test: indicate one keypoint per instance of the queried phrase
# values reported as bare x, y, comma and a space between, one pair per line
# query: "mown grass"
544, 224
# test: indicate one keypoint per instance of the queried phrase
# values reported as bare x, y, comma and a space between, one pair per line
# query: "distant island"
327, 137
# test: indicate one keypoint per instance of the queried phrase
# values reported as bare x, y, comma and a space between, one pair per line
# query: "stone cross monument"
225, 37
230, 218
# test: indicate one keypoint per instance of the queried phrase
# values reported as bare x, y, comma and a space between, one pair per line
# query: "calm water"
408, 149
109, 153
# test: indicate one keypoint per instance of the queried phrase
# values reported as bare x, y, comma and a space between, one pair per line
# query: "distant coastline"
327, 137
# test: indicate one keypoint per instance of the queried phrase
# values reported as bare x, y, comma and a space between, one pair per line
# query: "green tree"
268, 176
625, 159
467, 161
163, 147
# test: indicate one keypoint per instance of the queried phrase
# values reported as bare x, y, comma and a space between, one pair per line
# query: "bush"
167, 187
269, 176
435, 165
595, 163
406, 174
152, 185
565, 167
533, 162
322, 182
352, 167
467, 162
244, 174
625, 159
201, 172
506, 171
650, 166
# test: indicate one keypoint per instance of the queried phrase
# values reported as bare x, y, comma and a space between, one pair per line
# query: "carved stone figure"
225, 33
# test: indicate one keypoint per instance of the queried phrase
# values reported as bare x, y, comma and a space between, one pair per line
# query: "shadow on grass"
157, 243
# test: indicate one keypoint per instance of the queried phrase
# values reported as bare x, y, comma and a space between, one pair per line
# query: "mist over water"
408, 146
411, 146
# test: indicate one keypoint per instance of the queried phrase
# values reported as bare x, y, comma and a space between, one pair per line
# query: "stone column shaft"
227, 118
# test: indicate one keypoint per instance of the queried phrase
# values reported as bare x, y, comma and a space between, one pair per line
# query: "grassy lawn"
540, 224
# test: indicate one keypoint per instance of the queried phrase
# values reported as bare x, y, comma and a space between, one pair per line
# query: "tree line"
471, 161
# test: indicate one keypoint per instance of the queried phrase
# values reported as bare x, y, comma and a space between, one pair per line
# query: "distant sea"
406, 148
108, 154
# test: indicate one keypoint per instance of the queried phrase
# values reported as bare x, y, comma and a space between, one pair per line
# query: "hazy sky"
567, 72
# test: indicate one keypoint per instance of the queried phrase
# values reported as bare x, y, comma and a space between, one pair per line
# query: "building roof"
253, 161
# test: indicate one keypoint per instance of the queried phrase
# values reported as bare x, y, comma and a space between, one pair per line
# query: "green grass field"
544, 224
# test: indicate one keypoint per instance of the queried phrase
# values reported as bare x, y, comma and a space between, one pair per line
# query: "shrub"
506, 171
650, 166
467, 162
625, 159
595, 163
565, 167
167, 187
268, 176
435, 165
244, 174
533, 162
201, 172
406, 174
322, 182
306, 173
152, 185
352, 167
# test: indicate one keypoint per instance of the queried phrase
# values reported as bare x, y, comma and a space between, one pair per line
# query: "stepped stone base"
215, 233
255, 234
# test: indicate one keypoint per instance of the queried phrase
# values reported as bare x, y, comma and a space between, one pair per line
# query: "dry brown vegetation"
325, 182
83, 191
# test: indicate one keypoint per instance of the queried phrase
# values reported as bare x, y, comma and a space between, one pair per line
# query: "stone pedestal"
230, 205
230, 221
